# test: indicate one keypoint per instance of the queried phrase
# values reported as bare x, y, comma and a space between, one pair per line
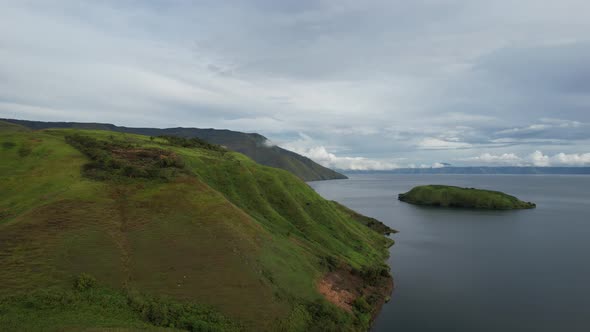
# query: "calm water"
468, 270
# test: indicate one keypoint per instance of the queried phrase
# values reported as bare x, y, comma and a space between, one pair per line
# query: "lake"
474, 270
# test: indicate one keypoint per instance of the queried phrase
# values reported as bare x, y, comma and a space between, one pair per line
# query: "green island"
457, 197
109, 230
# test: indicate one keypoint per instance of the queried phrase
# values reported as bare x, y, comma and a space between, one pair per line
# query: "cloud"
373, 82
431, 143
322, 156
562, 123
305, 145
570, 159
548, 128
528, 129
488, 158
536, 158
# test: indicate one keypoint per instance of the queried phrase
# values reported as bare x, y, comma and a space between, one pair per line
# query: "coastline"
387, 294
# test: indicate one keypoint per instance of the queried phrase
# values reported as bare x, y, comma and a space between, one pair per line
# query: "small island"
457, 197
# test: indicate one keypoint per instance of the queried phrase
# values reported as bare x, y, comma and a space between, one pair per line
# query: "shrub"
8, 145
361, 305
192, 142
326, 317
115, 159
156, 311
186, 316
25, 150
84, 281
373, 274
330, 262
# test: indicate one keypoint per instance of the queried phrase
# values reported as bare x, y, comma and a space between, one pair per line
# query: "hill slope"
254, 146
176, 233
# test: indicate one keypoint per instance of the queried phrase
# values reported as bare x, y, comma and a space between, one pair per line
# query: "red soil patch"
343, 287
339, 288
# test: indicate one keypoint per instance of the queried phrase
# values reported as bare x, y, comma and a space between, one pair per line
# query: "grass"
103, 308
450, 196
247, 240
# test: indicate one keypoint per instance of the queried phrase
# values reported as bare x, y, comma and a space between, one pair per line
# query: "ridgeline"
253, 145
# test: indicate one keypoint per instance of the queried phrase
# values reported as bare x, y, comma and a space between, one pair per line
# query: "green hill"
174, 233
450, 196
255, 146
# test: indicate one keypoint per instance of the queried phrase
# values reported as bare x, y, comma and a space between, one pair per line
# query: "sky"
351, 84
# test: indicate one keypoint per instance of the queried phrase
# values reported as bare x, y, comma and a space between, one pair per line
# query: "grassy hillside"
177, 234
450, 196
254, 146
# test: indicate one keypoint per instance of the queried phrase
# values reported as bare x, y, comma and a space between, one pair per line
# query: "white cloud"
488, 158
536, 158
435, 165
325, 158
564, 159
531, 128
431, 143
307, 147
562, 123
544, 125
438, 165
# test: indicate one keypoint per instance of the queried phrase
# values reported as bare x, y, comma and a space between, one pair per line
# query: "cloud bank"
536, 158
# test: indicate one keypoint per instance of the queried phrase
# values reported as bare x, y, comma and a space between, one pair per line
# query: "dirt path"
119, 233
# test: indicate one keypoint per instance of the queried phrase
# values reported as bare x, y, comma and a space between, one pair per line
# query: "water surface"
472, 270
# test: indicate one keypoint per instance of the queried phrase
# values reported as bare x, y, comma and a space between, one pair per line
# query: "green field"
450, 196
212, 239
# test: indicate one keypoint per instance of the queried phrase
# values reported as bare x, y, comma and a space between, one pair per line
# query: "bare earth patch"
334, 288
342, 287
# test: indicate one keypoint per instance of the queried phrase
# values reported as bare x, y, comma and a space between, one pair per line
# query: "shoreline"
387, 295
346, 287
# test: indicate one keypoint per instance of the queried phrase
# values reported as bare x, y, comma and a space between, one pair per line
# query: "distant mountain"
254, 146
484, 170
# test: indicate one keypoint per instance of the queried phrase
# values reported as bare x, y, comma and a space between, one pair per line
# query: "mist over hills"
252, 145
